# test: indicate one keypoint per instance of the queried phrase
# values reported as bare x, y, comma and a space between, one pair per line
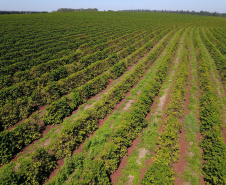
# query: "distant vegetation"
21, 12
74, 10
205, 13
178, 11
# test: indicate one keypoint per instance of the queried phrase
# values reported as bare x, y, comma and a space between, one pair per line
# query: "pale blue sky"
50, 5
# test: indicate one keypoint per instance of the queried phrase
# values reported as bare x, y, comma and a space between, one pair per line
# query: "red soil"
26, 149
101, 122
12, 127
150, 161
118, 173
220, 80
59, 164
40, 111
182, 163
199, 137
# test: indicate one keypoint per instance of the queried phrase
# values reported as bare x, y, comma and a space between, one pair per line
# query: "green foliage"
214, 148
36, 168
44, 90
39, 66
33, 169
134, 122
168, 151
13, 141
219, 59
159, 174
8, 176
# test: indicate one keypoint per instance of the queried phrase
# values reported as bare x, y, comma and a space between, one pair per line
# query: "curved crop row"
63, 107
219, 45
55, 65
72, 42
24, 106
219, 59
108, 160
83, 125
217, 35
214, 148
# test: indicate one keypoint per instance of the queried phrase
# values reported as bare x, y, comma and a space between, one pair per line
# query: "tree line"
21, 12
72, 10
206, 13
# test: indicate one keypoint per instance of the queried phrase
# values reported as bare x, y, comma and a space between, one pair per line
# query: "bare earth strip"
141, 152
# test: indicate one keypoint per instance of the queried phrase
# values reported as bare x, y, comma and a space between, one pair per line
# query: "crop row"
49, 53
218, 34
221, 31
74, 133
91, 40
19, 90
128, 129
216, 55
218, 44
100, 110
30, 45
27, 39
63, 107
214, 148
74, 58
55, 90
168, 152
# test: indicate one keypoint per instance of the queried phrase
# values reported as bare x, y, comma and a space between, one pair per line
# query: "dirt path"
118, 173
161, 108
142, 151
192, 134
182, 163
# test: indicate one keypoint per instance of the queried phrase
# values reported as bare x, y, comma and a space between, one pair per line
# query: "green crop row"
218, 35
85, 124
50, 50
214, 148
22, 107
80, 164
108, 160
63, 107
168, 152
60, 73
55, 65
219, 59
221, 31
33, 169
88, 122
218, 44
30, 46
36, 49
16, 139
29, 61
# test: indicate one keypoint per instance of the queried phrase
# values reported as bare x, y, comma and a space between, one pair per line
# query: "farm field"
112, 98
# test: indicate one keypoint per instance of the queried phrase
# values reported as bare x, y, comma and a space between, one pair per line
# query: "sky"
50, 5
